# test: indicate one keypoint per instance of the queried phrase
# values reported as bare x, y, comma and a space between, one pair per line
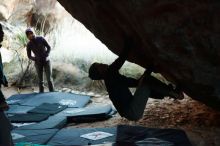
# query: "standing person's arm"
47, 46
29, 53
1, 70
3, 79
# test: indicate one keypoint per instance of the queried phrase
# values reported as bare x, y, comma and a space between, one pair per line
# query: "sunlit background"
73, 47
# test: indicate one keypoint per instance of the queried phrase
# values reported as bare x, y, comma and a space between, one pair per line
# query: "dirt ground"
201, 123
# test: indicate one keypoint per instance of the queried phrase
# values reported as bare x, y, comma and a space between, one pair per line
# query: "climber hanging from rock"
130, 106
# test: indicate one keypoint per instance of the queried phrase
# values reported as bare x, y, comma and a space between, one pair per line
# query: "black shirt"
40, 48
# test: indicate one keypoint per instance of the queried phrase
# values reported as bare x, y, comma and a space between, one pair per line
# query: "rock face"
6, 8
181, 39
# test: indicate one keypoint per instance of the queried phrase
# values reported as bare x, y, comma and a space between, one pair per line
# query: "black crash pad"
28, 117
48, 108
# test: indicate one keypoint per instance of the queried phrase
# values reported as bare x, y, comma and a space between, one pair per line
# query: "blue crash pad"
59, 120
71, 136
36, 99
19, 98
33, 136
18, 109
122, 134
89, 114
55, 121
28, 144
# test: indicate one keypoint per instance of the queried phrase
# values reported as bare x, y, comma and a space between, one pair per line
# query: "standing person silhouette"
3, 80
41, 50
5, 125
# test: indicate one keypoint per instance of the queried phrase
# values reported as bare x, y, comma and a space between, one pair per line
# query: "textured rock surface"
180, 38
6, 8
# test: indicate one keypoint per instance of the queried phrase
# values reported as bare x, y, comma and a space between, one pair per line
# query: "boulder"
181, 39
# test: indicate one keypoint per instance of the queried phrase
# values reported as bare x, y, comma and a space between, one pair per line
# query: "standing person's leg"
39, 69
5, 131
48, 72
2, 98
3, 103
